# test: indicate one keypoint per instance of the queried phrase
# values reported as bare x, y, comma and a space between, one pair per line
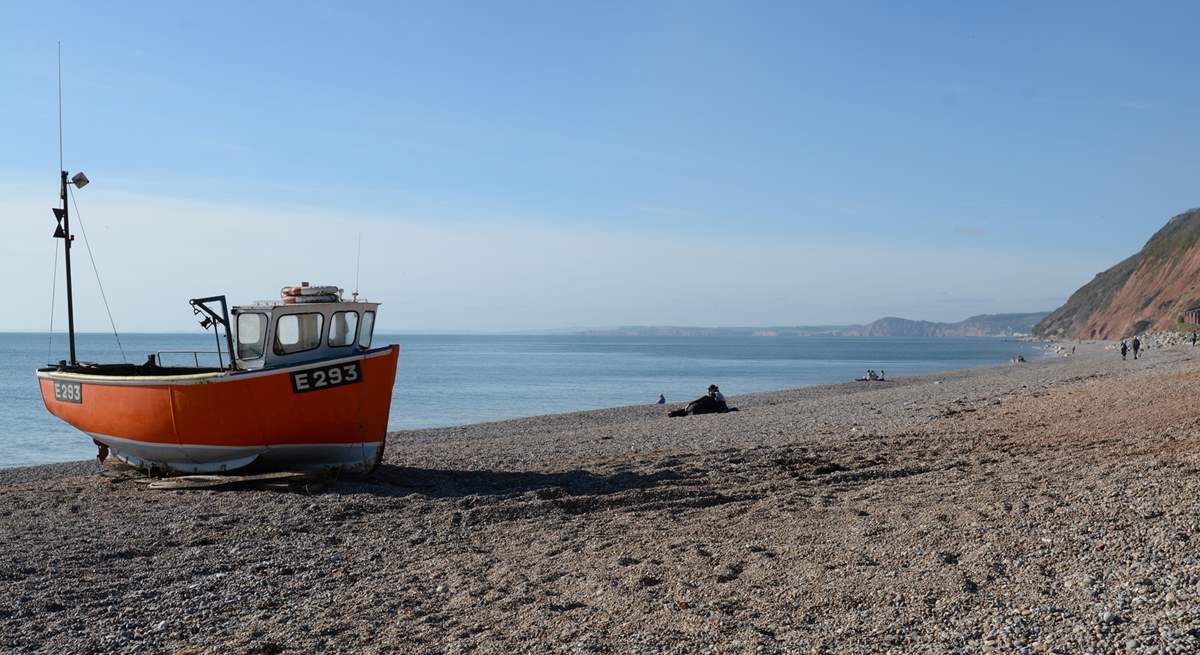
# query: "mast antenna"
60, 120
357, 266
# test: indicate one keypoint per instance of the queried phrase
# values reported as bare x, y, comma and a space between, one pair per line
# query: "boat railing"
194, 353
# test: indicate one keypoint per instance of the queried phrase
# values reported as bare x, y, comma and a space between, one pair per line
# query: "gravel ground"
1044, 507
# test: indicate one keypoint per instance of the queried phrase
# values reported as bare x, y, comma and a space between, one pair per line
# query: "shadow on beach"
392, 480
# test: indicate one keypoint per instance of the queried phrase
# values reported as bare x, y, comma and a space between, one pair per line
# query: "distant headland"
983, 325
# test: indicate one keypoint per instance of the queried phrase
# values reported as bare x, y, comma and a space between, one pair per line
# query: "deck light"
79, 180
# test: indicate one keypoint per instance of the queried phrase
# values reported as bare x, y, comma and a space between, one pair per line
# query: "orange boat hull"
295, 417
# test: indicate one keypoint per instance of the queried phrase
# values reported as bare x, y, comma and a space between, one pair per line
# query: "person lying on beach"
711, 403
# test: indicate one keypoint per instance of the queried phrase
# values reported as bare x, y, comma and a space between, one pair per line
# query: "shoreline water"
455, 381
1043, 506
76, 466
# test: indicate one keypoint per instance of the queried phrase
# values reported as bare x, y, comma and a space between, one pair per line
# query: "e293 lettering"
68, 392
315, 379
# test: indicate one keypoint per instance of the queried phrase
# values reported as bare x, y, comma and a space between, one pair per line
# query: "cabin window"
368, 326
343, 327
297, 332
251, 335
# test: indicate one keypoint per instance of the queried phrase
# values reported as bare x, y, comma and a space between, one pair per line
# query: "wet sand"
1044, 507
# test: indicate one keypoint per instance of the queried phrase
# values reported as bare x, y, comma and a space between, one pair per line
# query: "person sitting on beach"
881, 377
662, 400
872, 376
706, 404
715, 392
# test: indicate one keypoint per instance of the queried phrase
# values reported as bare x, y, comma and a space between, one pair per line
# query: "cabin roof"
266, 305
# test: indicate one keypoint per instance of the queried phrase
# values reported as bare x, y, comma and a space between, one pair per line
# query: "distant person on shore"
711, 403
1193, 338
882, 377
1124, 348
662, 400
1137, 345
1072, 349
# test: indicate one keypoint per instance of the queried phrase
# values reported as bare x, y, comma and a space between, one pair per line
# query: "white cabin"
269, 334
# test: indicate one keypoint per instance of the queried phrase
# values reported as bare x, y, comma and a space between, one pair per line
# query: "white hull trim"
203, 378
357, 457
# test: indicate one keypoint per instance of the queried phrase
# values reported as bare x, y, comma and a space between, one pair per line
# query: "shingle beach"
1043, 507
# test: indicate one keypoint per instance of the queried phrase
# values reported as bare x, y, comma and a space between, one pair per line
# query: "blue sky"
525, 165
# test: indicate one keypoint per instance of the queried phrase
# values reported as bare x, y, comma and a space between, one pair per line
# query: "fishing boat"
297, 385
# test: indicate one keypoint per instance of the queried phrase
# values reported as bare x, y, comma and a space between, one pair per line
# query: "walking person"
1137, 345
1193, 338
1124, 348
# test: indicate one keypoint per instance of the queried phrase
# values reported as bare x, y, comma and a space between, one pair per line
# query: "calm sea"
454, 380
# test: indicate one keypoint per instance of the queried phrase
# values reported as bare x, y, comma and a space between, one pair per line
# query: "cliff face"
1148, 291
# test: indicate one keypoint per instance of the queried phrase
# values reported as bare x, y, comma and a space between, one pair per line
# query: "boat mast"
64, 233
64, 222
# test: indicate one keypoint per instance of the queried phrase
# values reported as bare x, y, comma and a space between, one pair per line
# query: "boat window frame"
357, 325
262, 341
371, 336
321, 329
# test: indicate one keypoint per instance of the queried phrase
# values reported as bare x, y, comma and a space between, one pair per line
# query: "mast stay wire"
95, 270
53, 300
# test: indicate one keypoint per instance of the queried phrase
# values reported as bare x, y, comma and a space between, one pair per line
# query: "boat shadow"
392, 480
